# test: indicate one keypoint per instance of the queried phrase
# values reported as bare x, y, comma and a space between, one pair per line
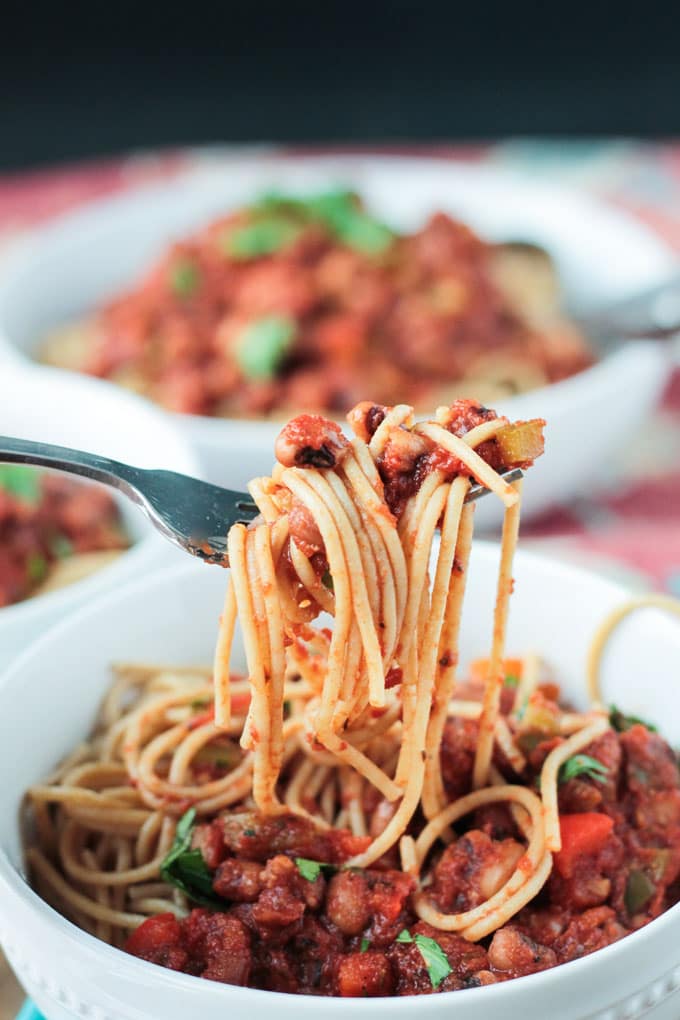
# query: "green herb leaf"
184, 278
277, 202
438, 967
327, 580
36, 567
61, 547
263, 346
621, 722
434, 957
521, 711
22, 482
310, 869
582, 765
339, 211
511, 681
182, 840
261, 237
365, 945
186, 869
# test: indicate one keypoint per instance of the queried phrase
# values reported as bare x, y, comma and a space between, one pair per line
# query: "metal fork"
192, 514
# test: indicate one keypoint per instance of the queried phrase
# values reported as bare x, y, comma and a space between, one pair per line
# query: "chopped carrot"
582, 834
479, 669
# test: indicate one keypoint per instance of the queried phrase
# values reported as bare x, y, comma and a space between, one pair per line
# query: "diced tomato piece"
154, 933
202, 718
344, 844
362, 975
582, 834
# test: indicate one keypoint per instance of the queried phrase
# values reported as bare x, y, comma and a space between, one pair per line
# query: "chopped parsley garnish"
186, 869
184, 278
263, 346
339, 211
365, 945
621, 722
511, 680
327, 580
582, 765
61, 547
261, 237
434, 958
310, 869
22, 482
521, 711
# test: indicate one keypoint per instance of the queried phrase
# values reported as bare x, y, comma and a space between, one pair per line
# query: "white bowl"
48, 700
41, 404
66, 270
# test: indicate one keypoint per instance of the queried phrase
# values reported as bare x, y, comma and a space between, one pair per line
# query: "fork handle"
90, 465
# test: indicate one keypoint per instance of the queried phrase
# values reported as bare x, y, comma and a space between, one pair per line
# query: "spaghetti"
307, 819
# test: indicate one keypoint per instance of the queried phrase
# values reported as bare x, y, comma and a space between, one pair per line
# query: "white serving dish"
48, 406
48, 700
65, 270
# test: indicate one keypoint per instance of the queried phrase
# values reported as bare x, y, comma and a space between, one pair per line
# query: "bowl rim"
141, 550
13, 881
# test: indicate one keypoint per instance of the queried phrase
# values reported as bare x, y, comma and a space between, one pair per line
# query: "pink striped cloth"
631, 532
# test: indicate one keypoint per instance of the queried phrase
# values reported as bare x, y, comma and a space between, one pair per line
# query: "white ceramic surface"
41, 404
53, 691
65, 270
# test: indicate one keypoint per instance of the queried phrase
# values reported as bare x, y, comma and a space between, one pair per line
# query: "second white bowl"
49, 406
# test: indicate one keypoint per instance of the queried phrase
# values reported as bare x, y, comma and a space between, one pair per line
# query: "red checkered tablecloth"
634, 530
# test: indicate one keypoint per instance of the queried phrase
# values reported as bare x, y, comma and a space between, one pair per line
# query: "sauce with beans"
290, 916
306, 303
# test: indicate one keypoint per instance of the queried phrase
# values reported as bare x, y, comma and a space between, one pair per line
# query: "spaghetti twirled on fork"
350, 615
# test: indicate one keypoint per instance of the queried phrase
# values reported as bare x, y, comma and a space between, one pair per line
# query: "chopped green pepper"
639, 891
36, 567
61, 547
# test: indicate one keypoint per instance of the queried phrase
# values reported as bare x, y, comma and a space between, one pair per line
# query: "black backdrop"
94, 79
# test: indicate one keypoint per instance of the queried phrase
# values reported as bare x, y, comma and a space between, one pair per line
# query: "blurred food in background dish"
296, 303
53, 531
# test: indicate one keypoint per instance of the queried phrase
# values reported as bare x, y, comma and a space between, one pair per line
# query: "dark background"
78, 81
